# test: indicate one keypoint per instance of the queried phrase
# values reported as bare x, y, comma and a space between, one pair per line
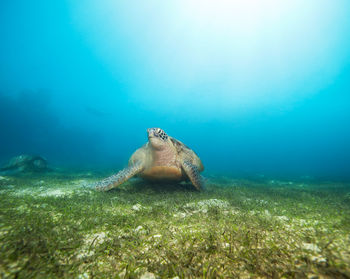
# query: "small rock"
137, 207
311, 247
139, 228
85, 254
320, 260
157, 236
282, 218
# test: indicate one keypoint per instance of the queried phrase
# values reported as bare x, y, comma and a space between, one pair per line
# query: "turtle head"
157, 138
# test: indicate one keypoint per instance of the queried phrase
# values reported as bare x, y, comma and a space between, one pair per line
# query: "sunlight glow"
229, 54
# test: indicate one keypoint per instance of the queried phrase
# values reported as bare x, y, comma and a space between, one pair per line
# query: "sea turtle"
26, 163
162, 158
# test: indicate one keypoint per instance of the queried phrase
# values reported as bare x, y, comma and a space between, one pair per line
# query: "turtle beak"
150, 132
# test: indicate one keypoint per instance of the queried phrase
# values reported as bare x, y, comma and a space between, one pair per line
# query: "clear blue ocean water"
254, 87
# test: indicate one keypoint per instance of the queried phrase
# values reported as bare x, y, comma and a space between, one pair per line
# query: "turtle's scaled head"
157, 137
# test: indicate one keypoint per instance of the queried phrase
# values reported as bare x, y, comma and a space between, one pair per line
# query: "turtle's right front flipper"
119, 178
193, 174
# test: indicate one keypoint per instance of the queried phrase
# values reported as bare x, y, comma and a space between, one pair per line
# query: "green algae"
57, 227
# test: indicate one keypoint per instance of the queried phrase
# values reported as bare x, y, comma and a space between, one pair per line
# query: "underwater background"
259, 89
254, 87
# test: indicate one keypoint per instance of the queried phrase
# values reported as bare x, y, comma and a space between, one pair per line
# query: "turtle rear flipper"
119, 178
193, 174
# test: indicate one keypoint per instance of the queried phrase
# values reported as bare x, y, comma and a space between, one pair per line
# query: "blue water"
254, 87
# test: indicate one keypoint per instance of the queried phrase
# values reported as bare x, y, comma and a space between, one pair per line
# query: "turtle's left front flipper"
119, 178
193, 174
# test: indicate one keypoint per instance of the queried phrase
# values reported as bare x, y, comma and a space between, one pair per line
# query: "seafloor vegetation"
54, 226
